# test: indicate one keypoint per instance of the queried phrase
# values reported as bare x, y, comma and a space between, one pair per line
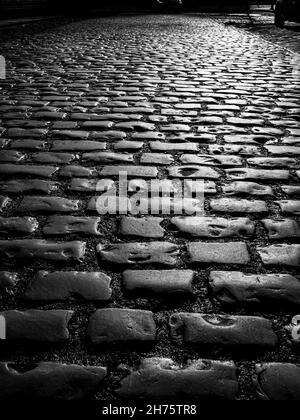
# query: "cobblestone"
34, 325
121, 325
250, 289
50, 381
222, 330
200, 379
62, 285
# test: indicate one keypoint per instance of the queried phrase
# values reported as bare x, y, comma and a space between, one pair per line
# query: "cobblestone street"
150, 306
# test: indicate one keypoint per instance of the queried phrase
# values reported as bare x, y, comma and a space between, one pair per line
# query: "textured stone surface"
35, 325
281, 229
18, 225
278, 381
36, 248
48, 204
163, 378
222, 330
146, 227
64, 225
193, 171
49, 380
164, 253
62, 285
220, 253
155, 281
282, 254
121, 326
234, 287
289, 207
230, 205
214, 227
248, 188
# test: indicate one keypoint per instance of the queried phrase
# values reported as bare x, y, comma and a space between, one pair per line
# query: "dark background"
18, 8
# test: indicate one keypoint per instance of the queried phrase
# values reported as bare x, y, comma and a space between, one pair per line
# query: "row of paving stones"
154, 378
226, 287
166, 205
209, 103
114, 325
151, 227
12, 157
186, 172
149, 253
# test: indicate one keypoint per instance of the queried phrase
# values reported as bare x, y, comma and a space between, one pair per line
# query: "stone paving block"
49, 381
291, 190
53, 158
156, 281
149, 135
91, 185
277, 381
71, 134
163, 378
273, 162
164, 253
116, 325
231, 205
64, 225
25, 133
61, 285
291, 207
77, 146
258, 174
29, 144
193, 171
35, 325
219, 253
108, 135
131, 171
282, 254
221, 330
283, 150
128, 145
208, 160
247, 188
14, 170
11, 156
281, 229
156, 159
214, 227
15, 186
31, 204
38, 248
15, 225
106, 157
234, 149
73, 171
146, 227
234, 287
158, 146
